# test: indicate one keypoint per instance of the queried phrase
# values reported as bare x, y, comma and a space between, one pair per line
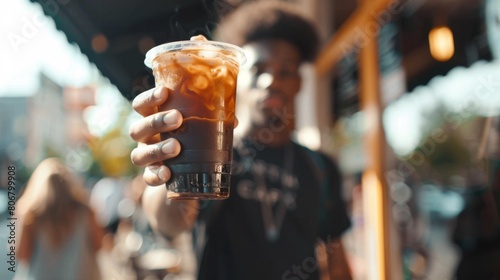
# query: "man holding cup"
283, 197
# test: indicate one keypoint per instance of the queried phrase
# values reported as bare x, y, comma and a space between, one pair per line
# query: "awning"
115, 35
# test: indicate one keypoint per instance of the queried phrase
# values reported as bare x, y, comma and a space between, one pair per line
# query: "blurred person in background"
284, 197
60, 237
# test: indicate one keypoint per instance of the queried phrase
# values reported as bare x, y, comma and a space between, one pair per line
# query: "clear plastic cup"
201, 77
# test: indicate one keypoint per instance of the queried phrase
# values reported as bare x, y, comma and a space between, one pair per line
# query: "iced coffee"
201, 76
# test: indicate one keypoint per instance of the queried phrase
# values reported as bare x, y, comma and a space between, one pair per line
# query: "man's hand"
167, 217
151, 151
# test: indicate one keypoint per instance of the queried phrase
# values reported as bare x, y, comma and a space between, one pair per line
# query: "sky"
30, 43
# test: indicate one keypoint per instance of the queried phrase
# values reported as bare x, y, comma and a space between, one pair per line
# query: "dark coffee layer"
202, 141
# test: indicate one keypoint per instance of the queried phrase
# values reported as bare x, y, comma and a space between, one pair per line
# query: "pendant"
272, 234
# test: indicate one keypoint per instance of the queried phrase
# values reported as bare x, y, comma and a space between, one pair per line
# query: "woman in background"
60, 236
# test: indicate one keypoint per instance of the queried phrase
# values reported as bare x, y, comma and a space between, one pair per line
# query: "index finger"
147, 102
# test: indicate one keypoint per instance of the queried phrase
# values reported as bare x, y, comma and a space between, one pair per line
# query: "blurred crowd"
72, 231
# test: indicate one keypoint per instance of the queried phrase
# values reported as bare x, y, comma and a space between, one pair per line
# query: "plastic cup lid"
194, 45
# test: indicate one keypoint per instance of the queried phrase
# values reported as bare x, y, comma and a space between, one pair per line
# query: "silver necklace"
273, 222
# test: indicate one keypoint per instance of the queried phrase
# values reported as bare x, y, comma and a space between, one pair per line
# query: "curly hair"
260, 20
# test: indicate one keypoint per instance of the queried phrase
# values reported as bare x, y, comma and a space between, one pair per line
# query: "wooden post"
375, 190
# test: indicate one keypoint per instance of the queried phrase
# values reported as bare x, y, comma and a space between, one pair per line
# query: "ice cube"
219, 71
200, 82
173, 80
197, 68
197, 84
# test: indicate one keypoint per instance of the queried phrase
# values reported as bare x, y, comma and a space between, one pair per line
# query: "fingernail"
170, 118
168, 147
162, 173
157, 92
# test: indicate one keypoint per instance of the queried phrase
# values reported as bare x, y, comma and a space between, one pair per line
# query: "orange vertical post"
375, 190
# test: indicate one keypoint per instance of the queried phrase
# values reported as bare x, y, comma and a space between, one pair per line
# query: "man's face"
267, 86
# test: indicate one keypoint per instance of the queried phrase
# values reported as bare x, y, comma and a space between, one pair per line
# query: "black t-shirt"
282, 200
